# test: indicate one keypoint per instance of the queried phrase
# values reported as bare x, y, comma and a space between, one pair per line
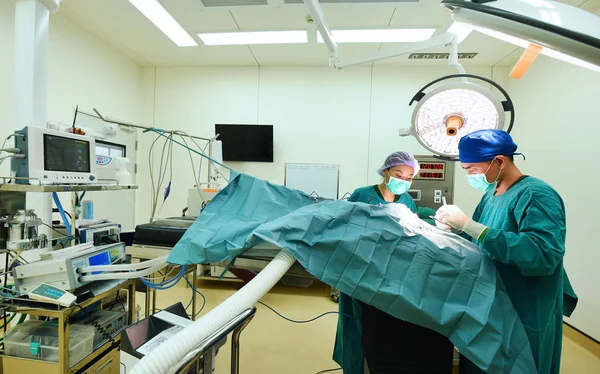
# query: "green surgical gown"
526, 238
348, 349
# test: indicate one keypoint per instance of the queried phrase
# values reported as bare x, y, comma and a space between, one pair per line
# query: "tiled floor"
271, 345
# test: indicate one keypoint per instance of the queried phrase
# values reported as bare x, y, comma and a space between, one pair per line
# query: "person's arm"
354, 197
476, 217
424, 213
478, 209
569, 296
409, 202
539, 245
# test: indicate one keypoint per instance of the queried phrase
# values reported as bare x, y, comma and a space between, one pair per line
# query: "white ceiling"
122, 25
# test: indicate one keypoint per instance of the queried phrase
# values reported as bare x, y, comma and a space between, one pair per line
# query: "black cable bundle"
102, 330
105, 334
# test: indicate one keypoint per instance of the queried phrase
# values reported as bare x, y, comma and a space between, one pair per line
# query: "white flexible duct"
161, 360
124, 275
125, 267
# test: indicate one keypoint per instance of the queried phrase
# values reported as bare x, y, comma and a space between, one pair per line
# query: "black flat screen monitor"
246, 142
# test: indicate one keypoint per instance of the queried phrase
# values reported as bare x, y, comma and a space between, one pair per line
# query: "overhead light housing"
164, 21
461, 31
452, 110
385, 35
254, 37
564, 32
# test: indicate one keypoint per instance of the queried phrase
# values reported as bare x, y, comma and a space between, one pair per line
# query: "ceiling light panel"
164, 21
361, 2
380, 35
255, 37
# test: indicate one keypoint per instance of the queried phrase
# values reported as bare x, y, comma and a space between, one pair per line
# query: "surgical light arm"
315, 10
443, 40
435, 42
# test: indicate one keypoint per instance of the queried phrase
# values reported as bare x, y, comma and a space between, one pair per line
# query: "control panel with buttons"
46, 292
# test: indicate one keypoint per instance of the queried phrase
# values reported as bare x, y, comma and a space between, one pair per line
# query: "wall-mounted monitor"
246, 142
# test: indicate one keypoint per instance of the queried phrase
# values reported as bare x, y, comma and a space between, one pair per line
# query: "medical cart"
105, 356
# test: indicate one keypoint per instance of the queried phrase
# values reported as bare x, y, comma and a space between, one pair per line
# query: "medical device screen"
246, 142
99, 259
65, 154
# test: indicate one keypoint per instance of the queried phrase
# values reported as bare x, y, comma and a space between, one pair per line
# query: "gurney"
165, 233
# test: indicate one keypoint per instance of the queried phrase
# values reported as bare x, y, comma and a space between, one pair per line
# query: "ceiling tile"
592, 6
358, 16
230, 55
306, 54
261, 18
190, 15
426, 13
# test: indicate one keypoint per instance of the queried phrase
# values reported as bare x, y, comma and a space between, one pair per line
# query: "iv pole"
172, 132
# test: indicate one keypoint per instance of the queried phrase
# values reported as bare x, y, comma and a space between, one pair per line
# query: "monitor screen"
246, 142
99, 259
66, 154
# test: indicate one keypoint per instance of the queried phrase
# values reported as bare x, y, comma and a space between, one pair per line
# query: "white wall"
557, 129
349, 117
82, 70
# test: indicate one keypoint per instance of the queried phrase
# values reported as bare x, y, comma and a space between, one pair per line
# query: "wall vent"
440, 56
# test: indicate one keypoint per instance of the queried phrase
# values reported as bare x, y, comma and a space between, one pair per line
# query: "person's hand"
458, 220
442, 226
452, 216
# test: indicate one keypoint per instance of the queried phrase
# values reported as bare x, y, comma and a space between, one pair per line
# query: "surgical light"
452, 110
380, 35
255, 37
564, 32
164, 21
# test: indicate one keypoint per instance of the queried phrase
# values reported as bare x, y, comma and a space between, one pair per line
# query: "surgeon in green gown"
366, 334
520, 223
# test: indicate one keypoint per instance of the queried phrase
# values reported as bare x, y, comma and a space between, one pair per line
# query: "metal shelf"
53, 309
12, 364
64, 188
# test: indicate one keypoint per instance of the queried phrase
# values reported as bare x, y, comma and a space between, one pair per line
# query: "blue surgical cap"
399, 158
484, 145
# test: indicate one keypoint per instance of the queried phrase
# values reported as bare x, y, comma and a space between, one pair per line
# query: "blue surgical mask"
397, 186
479, 181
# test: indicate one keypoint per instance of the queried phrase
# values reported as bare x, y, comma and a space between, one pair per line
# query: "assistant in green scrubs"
364, 333
520, 223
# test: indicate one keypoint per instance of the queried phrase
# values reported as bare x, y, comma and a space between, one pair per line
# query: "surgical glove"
457, 219
452, 216
442, 226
